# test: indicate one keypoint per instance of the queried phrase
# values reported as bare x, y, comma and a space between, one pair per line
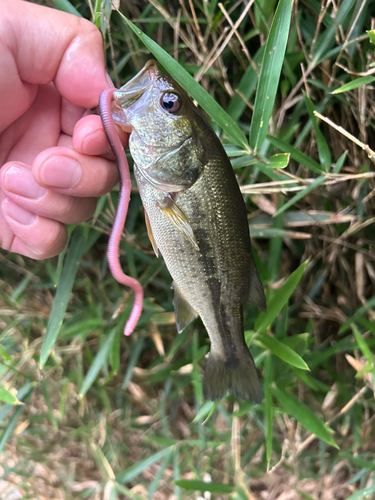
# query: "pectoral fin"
179, 220
183, 311
256, 295
151, 235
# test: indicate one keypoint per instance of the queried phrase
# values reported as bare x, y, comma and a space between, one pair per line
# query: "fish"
196, 220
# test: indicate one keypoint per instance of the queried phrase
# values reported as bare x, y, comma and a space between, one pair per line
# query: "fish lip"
131, 92
137, 86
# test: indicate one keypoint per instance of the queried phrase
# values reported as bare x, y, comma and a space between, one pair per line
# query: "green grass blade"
8, 397
25, 394
246, 87
268, 379
359, 462
357, 82
102, 462
19, 289
270, 74
139, 467
279, 299
203, 98
276, 232
98, 363
283, 351
280, 160
128, 494
61, 256
22, 394
66, 6
323, 148
304, 415
78, 247
304, 495
363, 494
371, 35
295, 154
10, 427
50, 411
340, 162
301, 194
276, 245
205, 411
362, 344
327, 38
114, 355
135, 350
195, 373
197, 485
155, 483
361, 311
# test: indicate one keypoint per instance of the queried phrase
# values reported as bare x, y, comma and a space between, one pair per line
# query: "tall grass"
88, 413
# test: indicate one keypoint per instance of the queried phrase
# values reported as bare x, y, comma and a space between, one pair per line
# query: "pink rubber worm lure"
122, 210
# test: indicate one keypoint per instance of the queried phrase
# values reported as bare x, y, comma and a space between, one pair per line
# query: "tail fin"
236, 375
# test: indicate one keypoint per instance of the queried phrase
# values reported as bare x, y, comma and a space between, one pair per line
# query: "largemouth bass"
196, 219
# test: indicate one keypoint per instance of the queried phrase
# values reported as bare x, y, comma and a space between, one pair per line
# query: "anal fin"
151, 235
179, 220
183, 311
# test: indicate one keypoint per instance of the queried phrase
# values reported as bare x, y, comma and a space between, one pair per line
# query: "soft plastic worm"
122, 209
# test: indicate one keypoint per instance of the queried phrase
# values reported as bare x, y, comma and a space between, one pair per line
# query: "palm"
38, 128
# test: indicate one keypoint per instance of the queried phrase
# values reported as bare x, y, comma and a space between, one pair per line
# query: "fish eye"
171, 102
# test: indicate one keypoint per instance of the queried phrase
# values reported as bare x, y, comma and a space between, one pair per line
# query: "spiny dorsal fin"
183, 311
179, 220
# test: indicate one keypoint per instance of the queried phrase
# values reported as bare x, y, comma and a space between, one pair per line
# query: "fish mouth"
131, 92
137, 86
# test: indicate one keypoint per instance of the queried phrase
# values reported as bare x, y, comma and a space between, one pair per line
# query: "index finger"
39, 45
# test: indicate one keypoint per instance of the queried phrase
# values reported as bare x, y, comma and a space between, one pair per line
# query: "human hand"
53, 162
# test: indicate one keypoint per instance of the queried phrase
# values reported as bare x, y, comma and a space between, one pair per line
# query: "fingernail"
61, 172
19, 180
17, 213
